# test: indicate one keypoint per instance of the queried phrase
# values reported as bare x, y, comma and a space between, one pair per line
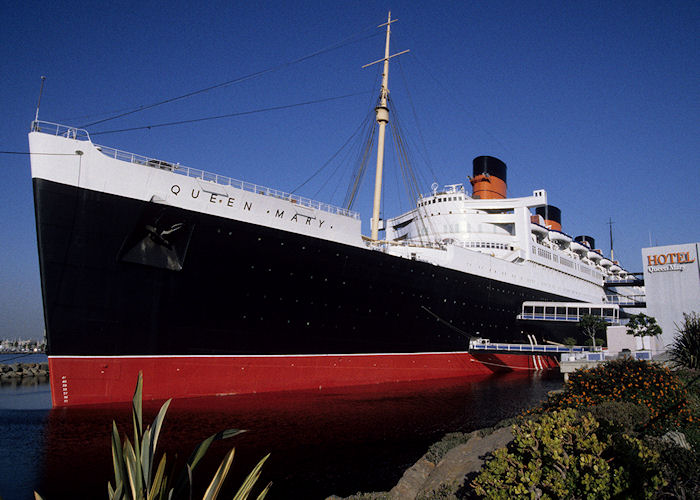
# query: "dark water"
322, 443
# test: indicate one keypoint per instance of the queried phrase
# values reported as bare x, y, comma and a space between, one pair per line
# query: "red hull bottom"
83, 380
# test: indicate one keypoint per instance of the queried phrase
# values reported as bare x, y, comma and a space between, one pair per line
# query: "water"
321, 442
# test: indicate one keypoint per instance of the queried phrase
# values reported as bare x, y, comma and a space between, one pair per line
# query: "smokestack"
551, 216
489, 178
586, 240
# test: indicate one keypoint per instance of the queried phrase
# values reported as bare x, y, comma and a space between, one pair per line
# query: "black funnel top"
588, 239
489, 165
549, 212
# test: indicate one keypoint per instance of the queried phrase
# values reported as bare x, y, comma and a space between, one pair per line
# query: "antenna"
610, 223
36, 116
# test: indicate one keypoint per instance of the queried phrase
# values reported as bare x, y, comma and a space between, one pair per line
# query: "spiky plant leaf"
197, 455
263, 493
150, 442
685, 351
117, 456
137, 408
218, 479
133, 470
159, 481
250, 481
146, 459
118, 493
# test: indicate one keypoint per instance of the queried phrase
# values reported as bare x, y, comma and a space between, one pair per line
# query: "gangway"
529, 349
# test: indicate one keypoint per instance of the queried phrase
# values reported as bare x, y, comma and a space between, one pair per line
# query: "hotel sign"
672, 261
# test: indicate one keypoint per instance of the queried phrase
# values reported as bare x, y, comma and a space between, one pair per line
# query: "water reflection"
322, 442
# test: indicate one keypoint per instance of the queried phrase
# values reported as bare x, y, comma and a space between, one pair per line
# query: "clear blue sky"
596, 102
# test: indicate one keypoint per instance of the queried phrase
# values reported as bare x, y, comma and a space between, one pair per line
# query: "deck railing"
80, 134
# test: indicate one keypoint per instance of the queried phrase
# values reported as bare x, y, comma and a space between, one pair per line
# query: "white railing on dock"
530, 348
80, 134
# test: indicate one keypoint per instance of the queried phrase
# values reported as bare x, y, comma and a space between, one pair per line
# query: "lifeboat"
615, 269
561, 239
605, 262
623, 273
539, 231
580, 249
595, 256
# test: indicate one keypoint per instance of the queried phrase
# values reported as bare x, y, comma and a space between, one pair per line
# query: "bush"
685, 350
559, 455
438, 450
628, 380
619, 417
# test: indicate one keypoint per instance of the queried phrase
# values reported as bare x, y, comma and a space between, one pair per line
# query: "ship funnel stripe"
489, 165
489, 178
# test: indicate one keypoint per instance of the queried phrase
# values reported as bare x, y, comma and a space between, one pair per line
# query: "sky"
596, 102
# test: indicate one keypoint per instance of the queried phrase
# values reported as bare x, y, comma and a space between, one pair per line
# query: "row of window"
487, 244
439, 200
571, 311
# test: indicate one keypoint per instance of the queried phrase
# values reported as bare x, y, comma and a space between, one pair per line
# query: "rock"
465, 459
676, 438
412, 480
425, 479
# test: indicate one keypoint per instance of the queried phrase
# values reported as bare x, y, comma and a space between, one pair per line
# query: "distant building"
672, 282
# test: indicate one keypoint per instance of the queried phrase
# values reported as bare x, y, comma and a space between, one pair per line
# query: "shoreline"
16, 372
448, 465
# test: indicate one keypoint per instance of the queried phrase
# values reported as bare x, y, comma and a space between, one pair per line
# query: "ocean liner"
210, 285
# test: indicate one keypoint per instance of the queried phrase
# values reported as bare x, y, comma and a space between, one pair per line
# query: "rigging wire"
459, 102
228, 115
424, 152
347, 41
334, 155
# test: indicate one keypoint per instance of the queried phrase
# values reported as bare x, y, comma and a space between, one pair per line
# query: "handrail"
80, 134
60, 130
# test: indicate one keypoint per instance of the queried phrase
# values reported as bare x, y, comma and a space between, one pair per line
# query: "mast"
382, 112
36, 116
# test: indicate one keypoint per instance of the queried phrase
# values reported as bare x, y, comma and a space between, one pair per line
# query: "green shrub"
559, 455
628, 380
679, 467
619, 417
438, 450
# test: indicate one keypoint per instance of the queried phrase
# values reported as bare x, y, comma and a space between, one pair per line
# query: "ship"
213, 286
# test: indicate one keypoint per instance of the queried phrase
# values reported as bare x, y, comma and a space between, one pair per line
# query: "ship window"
539, 310
528, 309
561, 311
549, 310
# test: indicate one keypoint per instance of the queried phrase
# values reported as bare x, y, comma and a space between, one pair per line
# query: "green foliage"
137, 478
592, 326
634, 381
685, 350
619, 417
555, 456
641, 325
570, 341
679, 467
438, 450
559, 455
